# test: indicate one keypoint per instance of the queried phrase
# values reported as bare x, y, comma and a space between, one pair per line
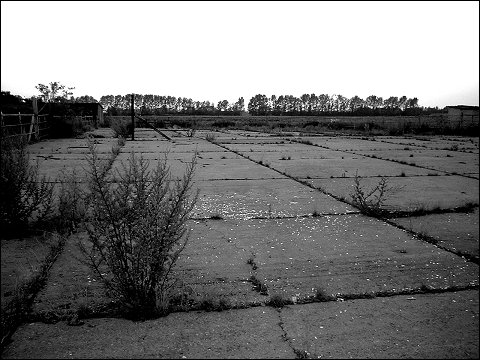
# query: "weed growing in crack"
425, 237
251, 261
72, 201
211, 303
278, 301
258, 285
191, 132
370, 202
210, 137
301, 354
121, 141
322, 296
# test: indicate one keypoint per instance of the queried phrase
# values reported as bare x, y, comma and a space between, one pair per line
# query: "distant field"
374, 125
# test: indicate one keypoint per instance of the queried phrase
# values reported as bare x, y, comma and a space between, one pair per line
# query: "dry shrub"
26, 198
371, 201
137, 230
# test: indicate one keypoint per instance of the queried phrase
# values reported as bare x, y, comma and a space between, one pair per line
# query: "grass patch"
468, 207
322, 296
258, 285
212, 303
278, 301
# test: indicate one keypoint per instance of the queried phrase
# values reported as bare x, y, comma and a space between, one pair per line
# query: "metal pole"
133, 116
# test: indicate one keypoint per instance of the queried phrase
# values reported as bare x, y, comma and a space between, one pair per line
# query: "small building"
463, 111
95, 110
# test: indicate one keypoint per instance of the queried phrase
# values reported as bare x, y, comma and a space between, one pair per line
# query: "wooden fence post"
22, 130
132, 109
29, 135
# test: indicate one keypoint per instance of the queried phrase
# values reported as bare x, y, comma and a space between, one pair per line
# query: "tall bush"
137, 230
122, 128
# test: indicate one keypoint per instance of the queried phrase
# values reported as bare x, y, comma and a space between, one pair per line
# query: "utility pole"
132, 108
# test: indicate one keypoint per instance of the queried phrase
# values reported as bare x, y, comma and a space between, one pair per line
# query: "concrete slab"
441, 160
52, 169
348, 143
433, 326
221, 134
420, 326
346, 167
163, 145
459, 232
235, 169
70, 146
253, 334
244, 199
417, 192
223, 167
436, 142
278, 146
341, 254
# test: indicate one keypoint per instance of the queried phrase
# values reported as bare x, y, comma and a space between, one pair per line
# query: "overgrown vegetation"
210, 137
26, 197
72, 201
69, 126
371, 201
15, 310
137, 230
122, 128
191, 132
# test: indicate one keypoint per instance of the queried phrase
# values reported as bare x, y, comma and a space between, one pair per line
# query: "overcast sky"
226, 50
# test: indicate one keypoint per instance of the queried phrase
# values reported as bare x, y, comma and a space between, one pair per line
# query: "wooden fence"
35, 127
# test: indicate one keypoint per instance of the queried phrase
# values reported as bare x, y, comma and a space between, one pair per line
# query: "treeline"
324, 104
305, 105
168, 105
10, 103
